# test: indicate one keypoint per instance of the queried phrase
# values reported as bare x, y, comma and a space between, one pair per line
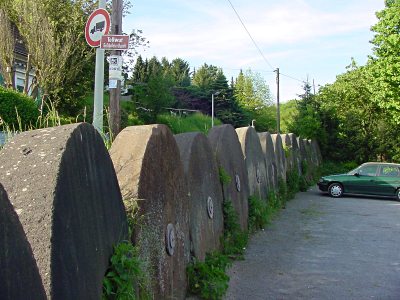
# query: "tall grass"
190, 123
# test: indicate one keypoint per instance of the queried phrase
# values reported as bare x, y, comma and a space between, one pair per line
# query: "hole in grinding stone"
210, 207
237, 180
170, 239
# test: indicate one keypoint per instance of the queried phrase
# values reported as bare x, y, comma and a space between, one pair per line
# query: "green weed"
208, 279
124, 277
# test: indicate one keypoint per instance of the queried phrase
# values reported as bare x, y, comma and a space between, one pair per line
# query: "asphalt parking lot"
323, 248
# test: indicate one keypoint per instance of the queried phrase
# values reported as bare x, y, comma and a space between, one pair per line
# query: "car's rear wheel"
398, 194
335, 190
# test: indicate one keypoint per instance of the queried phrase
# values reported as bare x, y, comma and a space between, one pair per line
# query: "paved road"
323, 248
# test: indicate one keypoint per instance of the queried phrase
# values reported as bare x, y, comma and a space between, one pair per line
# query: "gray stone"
19, 276
227, 150
296, 152
151, 177
316, 157
267, 146
254, 160
280, 156
205, 193
62, 184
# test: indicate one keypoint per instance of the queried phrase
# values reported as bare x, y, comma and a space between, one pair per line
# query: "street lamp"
212, 106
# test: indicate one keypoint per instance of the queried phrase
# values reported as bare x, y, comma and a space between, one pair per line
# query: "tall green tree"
385, 62
253, 95
205, 76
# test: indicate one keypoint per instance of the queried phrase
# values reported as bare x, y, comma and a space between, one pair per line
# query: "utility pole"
278, 116
115, 93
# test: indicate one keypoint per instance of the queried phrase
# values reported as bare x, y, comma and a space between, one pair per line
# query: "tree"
253, 95
352, 119
180, 71
6, 47
154, 96
385, 63
53, 34
205, 76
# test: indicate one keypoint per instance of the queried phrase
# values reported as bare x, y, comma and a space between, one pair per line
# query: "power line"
288, 76
248, 32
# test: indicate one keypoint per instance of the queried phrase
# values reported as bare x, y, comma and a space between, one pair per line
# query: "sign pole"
99, 85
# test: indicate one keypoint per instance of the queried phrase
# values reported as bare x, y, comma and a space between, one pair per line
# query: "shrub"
258, 213
209, 279
234, 240
125, 277
17, 110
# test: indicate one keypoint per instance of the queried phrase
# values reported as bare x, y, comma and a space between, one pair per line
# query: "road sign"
115, 67
114, 42
97, 25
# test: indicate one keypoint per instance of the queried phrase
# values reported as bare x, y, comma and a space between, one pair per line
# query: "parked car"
372, 178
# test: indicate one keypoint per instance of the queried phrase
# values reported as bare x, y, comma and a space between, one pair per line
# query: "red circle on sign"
100, 11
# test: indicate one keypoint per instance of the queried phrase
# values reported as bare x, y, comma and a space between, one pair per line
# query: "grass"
195, 122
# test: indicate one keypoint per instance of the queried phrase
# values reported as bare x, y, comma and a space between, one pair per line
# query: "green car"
373, 178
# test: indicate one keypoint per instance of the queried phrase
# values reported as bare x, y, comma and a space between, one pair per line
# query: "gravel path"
323, 248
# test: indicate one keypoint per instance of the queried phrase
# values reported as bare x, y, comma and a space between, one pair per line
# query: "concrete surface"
323, 248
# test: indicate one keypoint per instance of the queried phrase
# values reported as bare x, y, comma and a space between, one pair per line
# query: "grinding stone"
254, 160
62, 183
151, 176
280, 156
267, 146
227, 150
201, 173
19, 276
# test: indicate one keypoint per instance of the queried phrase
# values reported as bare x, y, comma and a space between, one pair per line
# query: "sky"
305, 39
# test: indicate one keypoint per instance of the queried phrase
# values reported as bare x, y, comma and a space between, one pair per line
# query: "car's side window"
368, 170
390, 171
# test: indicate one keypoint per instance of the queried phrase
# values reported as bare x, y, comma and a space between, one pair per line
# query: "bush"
258, 213
17, 110
208, 279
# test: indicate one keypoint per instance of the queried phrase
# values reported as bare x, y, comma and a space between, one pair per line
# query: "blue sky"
304, 38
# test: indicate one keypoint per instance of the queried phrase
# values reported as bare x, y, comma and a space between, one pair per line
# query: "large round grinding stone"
267, 146
280, 156
226, 148
310, 157
287, 144
19, 277
295, 151
150, 173
205, 193
62, 183
316, 152
254, 160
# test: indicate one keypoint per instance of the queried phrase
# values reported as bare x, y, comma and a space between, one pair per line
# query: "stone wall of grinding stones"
64, 201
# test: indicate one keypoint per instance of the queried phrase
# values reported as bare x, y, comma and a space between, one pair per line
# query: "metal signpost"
98, 25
